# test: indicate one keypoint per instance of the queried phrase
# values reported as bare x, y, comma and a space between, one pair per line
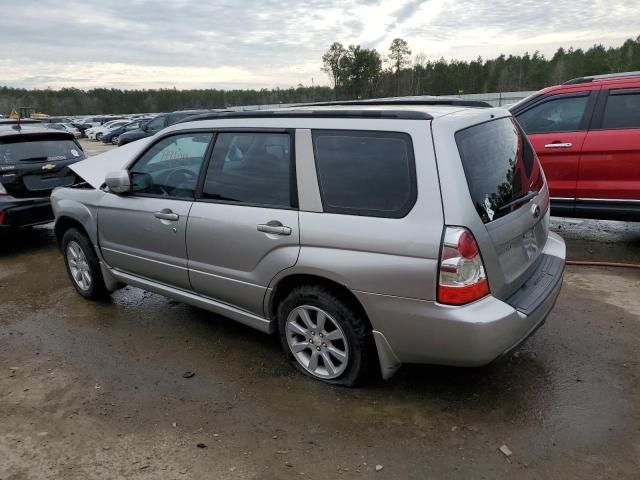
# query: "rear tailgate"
33, 164
492, 184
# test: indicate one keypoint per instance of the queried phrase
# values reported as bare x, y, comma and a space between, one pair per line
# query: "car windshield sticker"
74, 152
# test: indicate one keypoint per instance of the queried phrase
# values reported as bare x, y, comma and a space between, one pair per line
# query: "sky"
268, 43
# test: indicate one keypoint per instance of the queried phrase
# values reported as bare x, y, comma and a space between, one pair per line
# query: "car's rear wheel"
115, 140
83, 266
324, 337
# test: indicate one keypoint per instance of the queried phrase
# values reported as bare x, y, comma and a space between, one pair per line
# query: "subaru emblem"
535, 211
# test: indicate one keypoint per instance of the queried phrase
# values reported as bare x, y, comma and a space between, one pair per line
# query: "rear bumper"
416, 331
25, 212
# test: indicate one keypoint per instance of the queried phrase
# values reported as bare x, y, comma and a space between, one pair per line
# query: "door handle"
166, 214
275, 228
558, 145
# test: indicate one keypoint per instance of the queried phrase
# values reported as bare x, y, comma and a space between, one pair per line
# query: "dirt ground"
96, 390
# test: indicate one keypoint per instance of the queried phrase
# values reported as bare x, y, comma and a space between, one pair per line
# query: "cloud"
268, 43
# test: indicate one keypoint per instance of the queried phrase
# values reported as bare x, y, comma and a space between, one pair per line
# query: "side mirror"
119, 182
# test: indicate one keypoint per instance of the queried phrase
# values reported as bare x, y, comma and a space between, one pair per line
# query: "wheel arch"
65, 223
283, 286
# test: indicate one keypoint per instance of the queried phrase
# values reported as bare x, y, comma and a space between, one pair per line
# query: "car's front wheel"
83, 266
98, 137
324, 337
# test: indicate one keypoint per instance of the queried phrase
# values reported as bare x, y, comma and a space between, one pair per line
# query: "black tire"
96, 289
98, 137
362, 357
115, 139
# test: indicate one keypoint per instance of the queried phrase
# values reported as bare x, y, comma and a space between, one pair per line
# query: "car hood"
94, 170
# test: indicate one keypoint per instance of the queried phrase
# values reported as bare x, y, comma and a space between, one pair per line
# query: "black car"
32, 164
158, 123
113, 136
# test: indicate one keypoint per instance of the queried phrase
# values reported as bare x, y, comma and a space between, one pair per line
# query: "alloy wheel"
78, 265
317, 342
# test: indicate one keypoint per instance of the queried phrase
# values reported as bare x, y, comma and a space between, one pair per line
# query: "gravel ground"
96, 390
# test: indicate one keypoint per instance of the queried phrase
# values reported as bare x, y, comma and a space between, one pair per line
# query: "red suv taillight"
462, 277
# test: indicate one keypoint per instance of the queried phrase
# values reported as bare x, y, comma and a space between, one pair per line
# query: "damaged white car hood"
94, 170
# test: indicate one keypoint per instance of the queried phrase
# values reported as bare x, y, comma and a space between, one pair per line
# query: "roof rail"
411, 100
607, 76
293, 113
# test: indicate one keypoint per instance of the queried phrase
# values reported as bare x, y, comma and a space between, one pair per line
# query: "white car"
95, 133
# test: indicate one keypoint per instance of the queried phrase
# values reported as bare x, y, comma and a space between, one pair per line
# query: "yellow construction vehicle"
27, 112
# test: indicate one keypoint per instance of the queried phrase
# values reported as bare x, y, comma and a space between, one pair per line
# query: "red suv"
587, 135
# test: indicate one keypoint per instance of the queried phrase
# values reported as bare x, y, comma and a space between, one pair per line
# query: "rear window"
622, 110
500, 166
38, 150
365, 173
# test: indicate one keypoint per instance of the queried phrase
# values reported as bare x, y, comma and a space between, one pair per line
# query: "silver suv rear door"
243, 227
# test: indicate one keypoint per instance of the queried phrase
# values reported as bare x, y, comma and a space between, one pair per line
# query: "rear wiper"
524, 198
34, 159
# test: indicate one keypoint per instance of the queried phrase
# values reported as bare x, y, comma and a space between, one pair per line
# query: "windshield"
45, 150
500, 166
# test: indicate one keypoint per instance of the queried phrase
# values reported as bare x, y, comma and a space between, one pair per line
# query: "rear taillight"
2, 218
462, 277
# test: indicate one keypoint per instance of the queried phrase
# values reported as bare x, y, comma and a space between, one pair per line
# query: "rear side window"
500, 166
622, 111
365, 173
558, 115
39, 150
251, 169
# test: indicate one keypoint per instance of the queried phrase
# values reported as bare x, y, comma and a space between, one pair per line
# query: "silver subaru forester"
364, 234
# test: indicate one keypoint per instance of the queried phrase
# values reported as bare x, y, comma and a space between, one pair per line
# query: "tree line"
354, 72
364, 73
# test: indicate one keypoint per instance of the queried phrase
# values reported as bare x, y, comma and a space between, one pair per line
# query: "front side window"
251, 169
365, 173
170, 168
559, 115
622, 111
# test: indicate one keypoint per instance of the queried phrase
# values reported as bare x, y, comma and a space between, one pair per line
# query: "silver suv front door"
143, 233
243, 228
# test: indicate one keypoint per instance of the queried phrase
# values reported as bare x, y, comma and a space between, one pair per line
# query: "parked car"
100, 120
158, 123
587, 135
56, 120
95, 133
32, 164
393, 232
67, 127
113, 135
